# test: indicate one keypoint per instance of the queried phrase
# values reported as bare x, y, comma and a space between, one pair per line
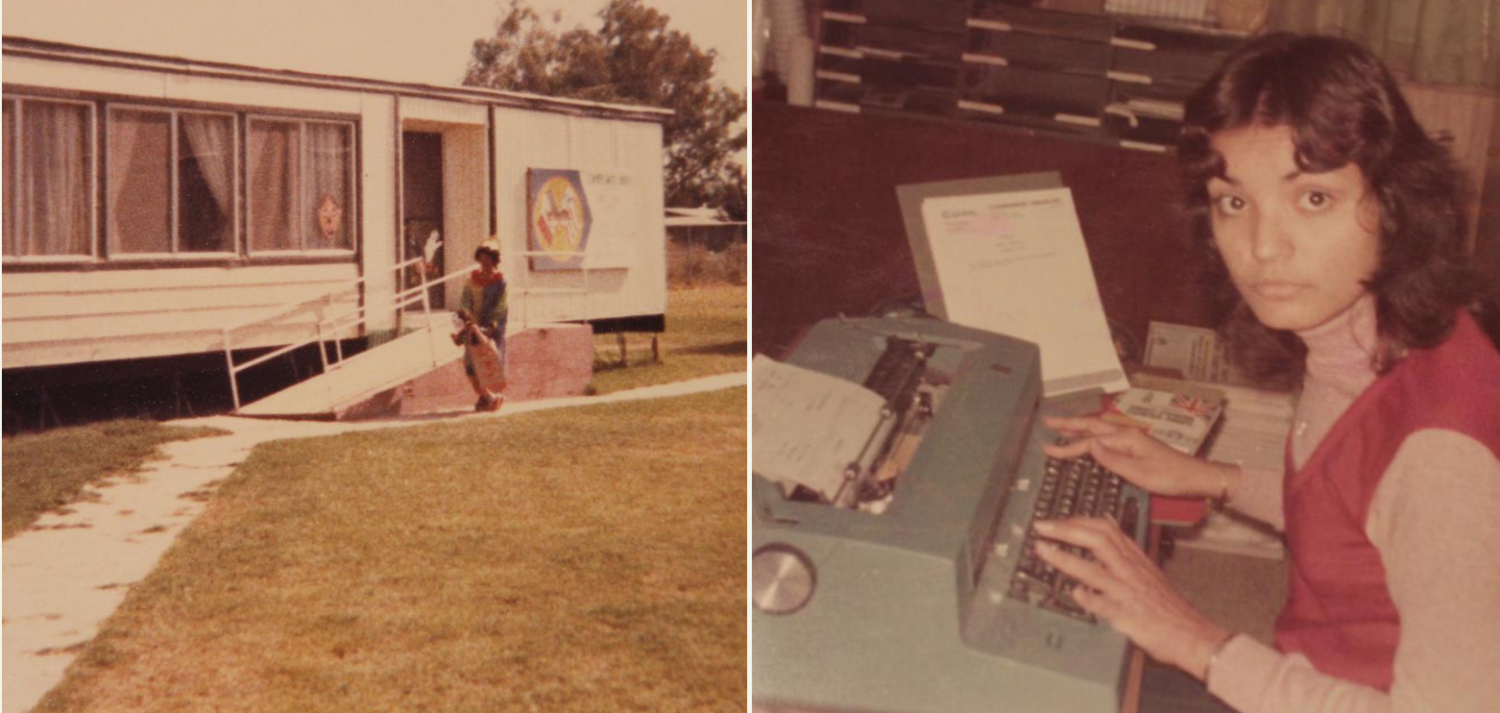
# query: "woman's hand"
1141, 459
1124, 587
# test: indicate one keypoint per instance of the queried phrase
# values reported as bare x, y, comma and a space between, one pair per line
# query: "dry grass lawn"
706, 334
47, 471
587, 559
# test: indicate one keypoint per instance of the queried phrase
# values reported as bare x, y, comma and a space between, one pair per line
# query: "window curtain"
273, 182
139, 181
55, 179
1446, 42
327, 181
208, 141
8, 180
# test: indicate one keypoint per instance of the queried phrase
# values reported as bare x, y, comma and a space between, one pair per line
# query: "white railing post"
426, 305
526, 300
322, 352
360, 316
234, 386
398, 289
427, 318
587, 294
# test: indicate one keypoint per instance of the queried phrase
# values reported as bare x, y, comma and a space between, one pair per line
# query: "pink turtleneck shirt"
1440, 547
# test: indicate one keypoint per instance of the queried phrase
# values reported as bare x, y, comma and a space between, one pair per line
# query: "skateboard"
485, 357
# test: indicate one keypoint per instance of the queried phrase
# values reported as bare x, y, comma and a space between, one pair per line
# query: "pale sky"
423, 41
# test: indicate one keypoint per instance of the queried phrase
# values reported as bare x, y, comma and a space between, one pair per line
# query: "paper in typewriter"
1016, 263
808, 426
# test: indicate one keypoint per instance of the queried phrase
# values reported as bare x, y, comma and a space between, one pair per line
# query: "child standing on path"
483, 310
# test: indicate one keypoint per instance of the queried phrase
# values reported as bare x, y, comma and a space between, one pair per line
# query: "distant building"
703, 226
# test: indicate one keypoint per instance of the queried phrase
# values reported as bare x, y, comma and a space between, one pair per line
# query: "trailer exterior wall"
627, 246
62, 311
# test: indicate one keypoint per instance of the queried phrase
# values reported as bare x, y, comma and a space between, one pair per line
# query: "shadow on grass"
727, 348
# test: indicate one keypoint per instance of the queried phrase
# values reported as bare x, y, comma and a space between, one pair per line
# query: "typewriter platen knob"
782, 579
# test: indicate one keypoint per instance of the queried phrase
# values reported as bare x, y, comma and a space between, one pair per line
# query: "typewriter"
913, 587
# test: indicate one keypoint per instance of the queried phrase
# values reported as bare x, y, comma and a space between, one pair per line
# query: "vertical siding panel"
646, 154
378, 207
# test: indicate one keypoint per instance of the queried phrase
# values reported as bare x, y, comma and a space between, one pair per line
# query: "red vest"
1339, 612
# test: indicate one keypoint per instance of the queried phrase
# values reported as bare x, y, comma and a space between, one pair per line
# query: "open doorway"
422, 208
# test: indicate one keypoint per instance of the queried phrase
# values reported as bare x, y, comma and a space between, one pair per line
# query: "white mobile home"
150, 202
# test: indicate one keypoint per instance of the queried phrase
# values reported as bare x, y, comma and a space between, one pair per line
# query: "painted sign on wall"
558, 218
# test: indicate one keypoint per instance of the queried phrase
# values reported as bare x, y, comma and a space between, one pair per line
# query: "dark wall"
828, 237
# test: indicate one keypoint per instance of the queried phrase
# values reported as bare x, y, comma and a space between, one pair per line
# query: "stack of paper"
808, 426
1256, 424
1195, 352
1178, 417
1253, 431
1015, 262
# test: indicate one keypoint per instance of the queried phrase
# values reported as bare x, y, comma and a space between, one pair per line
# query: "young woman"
1335, 224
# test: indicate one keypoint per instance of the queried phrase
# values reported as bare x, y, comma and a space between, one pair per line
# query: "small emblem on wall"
558, 218
330, 218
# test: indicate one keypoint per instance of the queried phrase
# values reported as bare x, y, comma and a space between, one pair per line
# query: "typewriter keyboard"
1070, 487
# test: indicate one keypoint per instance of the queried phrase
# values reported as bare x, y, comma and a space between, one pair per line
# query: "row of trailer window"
176, 182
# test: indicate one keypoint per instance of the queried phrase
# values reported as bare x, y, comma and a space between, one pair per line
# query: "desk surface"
829, 239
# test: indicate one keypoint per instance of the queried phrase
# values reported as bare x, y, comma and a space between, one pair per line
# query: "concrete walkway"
63, 578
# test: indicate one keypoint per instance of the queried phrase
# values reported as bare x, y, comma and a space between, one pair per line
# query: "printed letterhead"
1015, 262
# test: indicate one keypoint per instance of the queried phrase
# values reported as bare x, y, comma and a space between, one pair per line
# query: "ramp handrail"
292, 307
526, 291
359, 315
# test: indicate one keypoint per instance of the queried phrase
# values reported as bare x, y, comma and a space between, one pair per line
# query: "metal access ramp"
346, 381
358, 377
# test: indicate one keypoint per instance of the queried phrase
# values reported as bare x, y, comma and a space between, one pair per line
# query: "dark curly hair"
1342, 106
483, 250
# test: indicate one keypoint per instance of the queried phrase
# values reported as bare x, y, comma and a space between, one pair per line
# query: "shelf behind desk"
828, 237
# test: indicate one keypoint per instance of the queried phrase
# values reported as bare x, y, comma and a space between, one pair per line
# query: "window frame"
351, 220
18, 216
101, 257
174, 113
